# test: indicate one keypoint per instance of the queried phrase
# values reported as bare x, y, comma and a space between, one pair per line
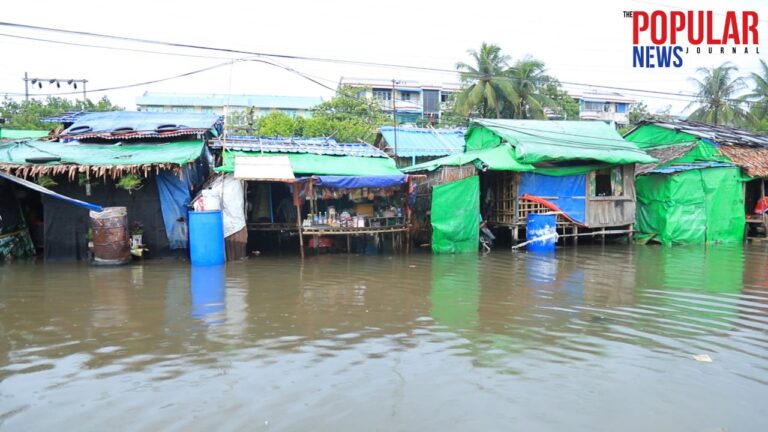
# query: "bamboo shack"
708, 185
147, 162
581, 170
318, 190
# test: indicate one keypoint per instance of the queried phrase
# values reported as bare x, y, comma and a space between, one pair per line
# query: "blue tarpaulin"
38, 188
352, 182
566, 192
174, 192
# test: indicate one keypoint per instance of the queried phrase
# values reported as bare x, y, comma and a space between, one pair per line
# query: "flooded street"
589, 339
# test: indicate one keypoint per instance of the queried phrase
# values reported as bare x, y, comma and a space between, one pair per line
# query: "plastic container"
111, 243
206, 238
544, 227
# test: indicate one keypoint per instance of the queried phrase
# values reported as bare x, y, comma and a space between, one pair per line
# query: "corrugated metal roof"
133, 124
318, 146
421, 141
67, 117
663, 156
688, 167
242, 100
722, 135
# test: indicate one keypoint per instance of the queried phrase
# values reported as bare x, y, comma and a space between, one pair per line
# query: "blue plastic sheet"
38, 188
566, 192
352, 182
174, 191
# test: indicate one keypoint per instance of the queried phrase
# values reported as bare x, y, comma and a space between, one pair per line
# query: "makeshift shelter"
706, 181
147, 162
411, 145
582, 170
317, 188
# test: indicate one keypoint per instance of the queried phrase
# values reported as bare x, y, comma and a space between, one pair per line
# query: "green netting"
456, 216
691, 207
182, 152
20, 134
312, 164
545, 141
650, 135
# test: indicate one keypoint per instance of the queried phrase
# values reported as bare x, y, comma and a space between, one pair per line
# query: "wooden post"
631, 232
575, 235
297, 202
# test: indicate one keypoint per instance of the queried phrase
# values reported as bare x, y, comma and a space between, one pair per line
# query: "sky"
582, 43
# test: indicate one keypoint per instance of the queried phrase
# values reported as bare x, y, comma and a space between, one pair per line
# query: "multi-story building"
609, 106
410, 100
293, 106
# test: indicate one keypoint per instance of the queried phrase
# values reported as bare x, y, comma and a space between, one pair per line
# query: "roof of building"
722, 135
34, 158
663, 156
120, 125
420, 141
238, 100
67, 117
405, 85
287, 145
14, 134
535, 141
595, 96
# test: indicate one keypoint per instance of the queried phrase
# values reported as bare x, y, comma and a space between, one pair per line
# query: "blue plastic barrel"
206, 238
207, 289
544, 227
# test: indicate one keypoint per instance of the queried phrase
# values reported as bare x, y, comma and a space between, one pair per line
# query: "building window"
208, 110
382, 94
154, 108
406, 96
607, 107
621, 108
607, 182
183, 109
592, 106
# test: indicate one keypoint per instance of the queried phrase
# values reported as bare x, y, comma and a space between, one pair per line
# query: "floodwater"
588, 339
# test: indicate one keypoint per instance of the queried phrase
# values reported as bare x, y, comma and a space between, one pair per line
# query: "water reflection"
393, 341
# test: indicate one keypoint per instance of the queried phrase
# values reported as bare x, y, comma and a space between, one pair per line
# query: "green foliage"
277, 123
715, 96
560, 101
46, 181
759, 97
129, 182
27, 114
486, 88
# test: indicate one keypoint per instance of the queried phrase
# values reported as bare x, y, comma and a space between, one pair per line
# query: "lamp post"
56, 81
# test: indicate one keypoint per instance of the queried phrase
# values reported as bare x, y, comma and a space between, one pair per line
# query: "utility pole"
56, 81
394, 116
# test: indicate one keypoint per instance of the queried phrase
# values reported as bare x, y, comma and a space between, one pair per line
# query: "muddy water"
590, 339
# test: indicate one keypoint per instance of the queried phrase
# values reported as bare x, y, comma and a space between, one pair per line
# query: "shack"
317, 188
147, 162
412, 145
707, 185
581, 170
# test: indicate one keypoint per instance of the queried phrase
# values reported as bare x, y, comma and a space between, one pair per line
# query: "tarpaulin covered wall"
567, 192
66, 225
353, 182
456, 216
15, 241
174, 191
696, 206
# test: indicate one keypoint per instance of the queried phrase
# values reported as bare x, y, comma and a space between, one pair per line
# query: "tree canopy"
27, 114
716, 93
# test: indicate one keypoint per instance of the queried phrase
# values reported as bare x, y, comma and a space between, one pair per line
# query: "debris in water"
412, 266
702, 358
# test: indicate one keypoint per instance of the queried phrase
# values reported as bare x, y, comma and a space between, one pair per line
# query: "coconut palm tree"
529, 80
759, 95
486, 90
715, 95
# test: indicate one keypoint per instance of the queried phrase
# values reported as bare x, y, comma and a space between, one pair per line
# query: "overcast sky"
585, 42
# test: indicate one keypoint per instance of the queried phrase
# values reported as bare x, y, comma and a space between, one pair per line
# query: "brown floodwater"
588, 339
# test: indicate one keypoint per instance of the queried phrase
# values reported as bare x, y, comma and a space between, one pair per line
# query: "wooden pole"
297, 203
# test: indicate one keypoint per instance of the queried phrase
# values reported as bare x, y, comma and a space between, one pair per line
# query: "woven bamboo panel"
504, 190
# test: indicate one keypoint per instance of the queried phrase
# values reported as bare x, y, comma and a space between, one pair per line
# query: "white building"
605, 106
412, 99
262, 105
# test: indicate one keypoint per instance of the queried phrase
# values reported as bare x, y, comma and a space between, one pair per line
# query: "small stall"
353, 207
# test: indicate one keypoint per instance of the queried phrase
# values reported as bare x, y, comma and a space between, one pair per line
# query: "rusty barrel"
111, 243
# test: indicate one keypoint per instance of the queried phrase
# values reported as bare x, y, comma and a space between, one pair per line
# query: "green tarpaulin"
696, 206
17, 153
537, 141
456, 216
500, 158
309, 164
21, 134
650, 135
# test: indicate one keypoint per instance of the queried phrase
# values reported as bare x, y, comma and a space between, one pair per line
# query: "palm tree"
529, 81
715, 96
759, 94
487, 89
